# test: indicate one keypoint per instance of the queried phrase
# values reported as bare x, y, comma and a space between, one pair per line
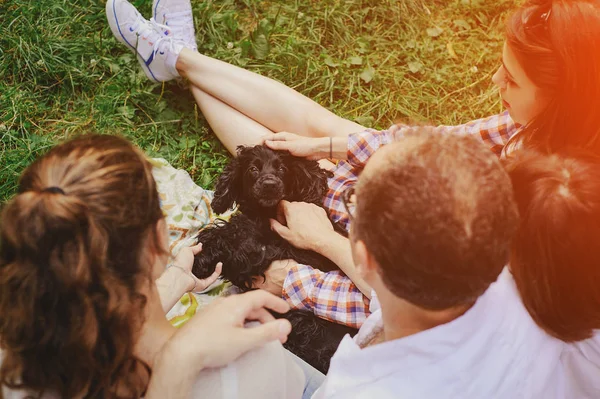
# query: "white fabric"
581, 365
186, 207
494, 350
263, 373
267, 372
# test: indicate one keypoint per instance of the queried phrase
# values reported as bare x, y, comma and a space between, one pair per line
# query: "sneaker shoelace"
150, 30
178, 21
179, 24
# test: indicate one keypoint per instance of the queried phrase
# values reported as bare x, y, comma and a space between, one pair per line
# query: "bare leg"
270, 103
231, 126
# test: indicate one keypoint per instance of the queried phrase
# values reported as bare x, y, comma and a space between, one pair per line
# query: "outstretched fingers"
202, 284
278, 329
254, 300
278, 145
281, 136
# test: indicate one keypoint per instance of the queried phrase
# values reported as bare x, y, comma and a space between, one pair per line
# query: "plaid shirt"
332, 295
494, 131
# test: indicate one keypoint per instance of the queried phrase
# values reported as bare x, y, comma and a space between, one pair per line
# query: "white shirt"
581, 365
494, 350
267, 372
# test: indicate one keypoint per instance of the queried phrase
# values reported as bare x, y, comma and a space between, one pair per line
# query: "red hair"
555, 257
557, 43
71, 267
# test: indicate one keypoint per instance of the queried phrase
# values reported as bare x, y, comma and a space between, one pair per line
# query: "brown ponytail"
555, 257
71, 267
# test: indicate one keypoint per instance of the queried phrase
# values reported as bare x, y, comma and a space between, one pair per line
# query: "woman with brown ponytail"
555, 256
82, 244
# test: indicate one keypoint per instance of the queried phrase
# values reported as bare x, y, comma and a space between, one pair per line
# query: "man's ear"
363, 260
228, 187
305, 180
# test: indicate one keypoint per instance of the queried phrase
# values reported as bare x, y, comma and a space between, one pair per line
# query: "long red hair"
557, 43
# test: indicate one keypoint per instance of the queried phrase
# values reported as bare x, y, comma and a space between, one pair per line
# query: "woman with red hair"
549, 82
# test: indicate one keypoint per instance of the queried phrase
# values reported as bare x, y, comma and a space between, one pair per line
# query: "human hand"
216, 336
300, 146
275, 277
303, 225
185, 261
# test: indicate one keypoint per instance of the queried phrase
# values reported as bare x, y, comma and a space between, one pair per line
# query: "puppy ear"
306, 181
229, 186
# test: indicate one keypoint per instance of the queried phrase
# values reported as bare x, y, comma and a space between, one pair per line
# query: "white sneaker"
156, 52
176, 17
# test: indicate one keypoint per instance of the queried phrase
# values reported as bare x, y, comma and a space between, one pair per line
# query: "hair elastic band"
53, 190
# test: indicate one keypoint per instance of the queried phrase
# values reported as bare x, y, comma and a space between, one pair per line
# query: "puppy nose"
270, 185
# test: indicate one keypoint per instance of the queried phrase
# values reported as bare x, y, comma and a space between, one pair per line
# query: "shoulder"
581, 365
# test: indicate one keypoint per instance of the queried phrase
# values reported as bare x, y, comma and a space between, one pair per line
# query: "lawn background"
63, 74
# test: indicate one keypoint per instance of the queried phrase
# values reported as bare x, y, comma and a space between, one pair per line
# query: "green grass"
374, 61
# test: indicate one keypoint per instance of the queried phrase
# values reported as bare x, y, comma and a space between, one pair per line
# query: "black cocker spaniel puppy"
257, 180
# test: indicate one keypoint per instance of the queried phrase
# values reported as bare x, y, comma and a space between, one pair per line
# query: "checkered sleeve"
361, 146
331, 296
495, 131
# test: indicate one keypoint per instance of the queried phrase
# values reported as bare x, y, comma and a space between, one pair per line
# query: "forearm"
495, 131
171, 378
337, 249
331, 147
331, 296
171, 286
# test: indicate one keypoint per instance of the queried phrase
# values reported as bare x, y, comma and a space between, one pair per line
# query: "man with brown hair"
432, 221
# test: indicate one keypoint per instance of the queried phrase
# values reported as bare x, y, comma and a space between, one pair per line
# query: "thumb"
203, 284
280, 229
196, 249
281, 212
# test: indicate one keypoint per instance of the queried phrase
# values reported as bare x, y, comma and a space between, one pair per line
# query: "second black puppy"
257, 180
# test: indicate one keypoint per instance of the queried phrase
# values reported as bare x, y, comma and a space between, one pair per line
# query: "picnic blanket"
187, 210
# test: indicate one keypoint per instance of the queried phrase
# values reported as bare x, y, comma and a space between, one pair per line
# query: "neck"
156, 330
259, 213
401, 318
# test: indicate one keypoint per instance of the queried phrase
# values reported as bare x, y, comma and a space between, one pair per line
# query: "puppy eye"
253, 169
282, 168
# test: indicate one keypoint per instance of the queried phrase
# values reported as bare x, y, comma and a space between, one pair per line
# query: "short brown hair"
438, 219
555, 259
70, 270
